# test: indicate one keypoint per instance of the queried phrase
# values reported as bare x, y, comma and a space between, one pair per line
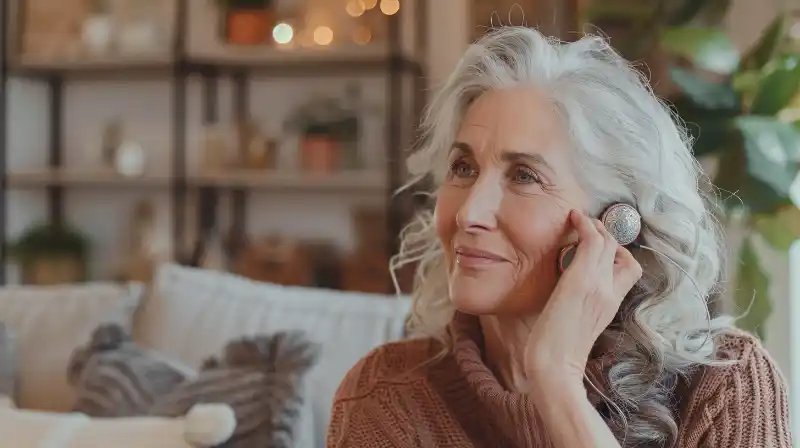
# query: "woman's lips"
474, 257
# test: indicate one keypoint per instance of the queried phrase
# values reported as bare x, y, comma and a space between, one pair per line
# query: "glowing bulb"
282, 33
362, 35
323, 35
369, 4
390, 7
355, 8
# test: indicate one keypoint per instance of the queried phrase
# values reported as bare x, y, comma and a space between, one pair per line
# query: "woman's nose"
479, 211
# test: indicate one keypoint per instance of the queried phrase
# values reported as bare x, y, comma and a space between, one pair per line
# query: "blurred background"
266, 138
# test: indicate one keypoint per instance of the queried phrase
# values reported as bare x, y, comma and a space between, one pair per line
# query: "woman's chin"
476, 299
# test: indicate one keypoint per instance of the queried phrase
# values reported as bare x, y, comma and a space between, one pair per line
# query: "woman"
529, 141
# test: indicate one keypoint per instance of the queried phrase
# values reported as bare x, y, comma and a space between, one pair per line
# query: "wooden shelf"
367, 181
266, 60
152, 65
315, 61
83, 178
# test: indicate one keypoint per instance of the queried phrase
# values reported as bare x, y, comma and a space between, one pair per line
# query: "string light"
355, 8
390, 7
323, 35
282, 33
369, 4
362, 35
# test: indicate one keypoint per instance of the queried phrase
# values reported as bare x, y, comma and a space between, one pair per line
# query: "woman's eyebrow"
507, 156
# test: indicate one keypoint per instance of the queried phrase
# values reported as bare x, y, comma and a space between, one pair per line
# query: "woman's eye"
462, 169
525, 176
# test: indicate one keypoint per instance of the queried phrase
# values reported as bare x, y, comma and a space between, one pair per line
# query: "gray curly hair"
629, 149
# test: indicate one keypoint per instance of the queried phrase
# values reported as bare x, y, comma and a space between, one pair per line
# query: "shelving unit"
239, 65
356, 180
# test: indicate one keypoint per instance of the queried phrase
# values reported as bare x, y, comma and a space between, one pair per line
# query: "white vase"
97, 33
130, 159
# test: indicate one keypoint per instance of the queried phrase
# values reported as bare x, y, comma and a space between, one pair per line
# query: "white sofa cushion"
49, 322
205, 425
192, 313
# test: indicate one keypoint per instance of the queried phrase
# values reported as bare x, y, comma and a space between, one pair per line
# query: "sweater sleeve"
744, 405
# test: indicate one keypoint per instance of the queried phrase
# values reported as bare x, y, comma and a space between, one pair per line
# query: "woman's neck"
505, 339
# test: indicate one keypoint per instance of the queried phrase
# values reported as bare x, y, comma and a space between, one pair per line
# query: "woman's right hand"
583, 303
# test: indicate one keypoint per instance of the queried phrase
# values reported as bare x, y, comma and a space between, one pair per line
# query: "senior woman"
529, 141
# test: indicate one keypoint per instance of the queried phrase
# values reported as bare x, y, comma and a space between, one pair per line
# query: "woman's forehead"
513, 121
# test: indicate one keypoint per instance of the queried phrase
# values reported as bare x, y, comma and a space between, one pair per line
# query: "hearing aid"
621, 220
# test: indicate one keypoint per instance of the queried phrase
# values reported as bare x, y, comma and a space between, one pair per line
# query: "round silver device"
623, 222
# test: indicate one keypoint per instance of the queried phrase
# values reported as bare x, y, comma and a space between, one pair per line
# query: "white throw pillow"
49, 322
192, 313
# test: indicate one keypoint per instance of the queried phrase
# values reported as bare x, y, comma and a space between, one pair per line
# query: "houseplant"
737, 107
51, 254
246, 22
329, 129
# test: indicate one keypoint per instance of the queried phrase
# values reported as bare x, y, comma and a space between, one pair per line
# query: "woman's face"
501, 214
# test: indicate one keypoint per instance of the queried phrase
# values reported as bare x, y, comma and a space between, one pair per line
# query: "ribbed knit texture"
113, 377
395, 397
261, 379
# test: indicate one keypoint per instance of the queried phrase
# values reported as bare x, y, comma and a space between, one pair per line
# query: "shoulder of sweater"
393, 363
745, 364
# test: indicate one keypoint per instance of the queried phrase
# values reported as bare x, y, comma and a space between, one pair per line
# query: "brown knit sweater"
396, 398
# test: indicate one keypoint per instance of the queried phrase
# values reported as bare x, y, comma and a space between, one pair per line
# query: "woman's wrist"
561, 388
551, 377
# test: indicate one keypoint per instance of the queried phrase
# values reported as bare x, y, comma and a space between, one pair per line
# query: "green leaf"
779, 229
707, 94
706, 47
709, 129
767, 46
739, 190
778, 88
772, 150
752, 292
746, 80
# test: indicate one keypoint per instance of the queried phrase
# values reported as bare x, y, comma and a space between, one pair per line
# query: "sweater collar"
511, 409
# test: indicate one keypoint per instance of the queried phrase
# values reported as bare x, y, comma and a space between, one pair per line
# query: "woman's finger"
590, 242
610, 246
627, 271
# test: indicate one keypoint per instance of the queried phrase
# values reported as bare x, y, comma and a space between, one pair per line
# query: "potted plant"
743, 113
329, 129
51, 254
322, 125
246, 22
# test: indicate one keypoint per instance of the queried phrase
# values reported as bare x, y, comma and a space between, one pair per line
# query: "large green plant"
736, 107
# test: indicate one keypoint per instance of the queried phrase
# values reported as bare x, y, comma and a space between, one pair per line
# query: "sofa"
188, 314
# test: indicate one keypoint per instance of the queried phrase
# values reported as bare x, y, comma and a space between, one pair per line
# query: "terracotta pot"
249, 26
320, 154
53, 271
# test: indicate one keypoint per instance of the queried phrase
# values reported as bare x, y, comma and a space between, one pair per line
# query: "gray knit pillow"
260, 378
113, 377
8, 362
